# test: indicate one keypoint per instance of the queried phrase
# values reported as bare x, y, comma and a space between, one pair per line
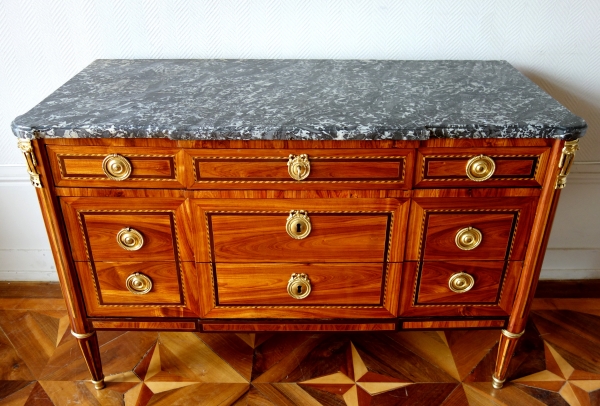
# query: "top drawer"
481, 167
300, 168
122, 167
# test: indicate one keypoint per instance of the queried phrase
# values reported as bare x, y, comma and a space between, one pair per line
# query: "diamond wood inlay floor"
557, 363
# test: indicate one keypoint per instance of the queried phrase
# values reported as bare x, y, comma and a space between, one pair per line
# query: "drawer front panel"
83, 166
448, 167
469, 228
111, 280
266, 284
102, 230
443, 229
173, 293
127, 229
433, 284
341, 230
337, 291
330, 168
426, 288
248, 237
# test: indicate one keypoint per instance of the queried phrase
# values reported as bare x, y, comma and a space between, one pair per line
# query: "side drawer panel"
514, 167
94, 223
174, 290
501, 225
82, 166
426, 291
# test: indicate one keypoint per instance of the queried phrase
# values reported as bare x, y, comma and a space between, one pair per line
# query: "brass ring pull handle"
116, 167
299, 286
468, 238
461, 282
130, 239
298, 166
480, 168
298, 224
138, 283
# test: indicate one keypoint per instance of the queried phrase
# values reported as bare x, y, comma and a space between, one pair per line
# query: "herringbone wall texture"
556, 43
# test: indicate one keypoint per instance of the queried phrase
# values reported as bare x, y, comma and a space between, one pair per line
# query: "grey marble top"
299, 99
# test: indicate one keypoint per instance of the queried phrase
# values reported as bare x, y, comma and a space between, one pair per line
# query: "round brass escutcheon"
116, 167
480, 168
298, 166
130, 239
299, 286
138, 283
298, 224
461, 282
468, 238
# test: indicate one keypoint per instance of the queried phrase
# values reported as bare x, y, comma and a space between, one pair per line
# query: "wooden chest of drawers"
298, 235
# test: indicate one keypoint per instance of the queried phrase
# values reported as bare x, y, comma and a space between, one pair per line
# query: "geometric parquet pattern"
557, 362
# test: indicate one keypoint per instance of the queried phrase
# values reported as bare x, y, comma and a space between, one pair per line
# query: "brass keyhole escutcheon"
299, 286
138, 283
130, 239
298, 166
461, 282
468, 238
298, 224
116, 167
480, 168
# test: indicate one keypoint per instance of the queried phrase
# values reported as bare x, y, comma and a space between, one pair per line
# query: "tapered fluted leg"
506, 349
88, 342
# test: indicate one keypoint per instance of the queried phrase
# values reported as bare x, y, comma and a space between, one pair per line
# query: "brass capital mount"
27, 150
566, 162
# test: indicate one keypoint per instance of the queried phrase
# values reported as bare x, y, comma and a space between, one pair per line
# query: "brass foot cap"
497, 383
99, 384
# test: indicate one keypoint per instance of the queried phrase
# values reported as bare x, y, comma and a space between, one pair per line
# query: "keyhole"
298, 228
299, 289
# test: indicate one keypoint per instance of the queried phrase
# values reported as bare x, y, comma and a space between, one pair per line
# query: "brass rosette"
138, 283
480, 168
461, 282
116, 167
468, 238
130, 239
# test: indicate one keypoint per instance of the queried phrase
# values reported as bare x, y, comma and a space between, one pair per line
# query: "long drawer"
294, 169
300, 230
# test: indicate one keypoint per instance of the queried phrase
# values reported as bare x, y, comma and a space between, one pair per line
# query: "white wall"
556, 43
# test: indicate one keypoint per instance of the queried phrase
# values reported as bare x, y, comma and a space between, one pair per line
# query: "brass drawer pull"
116, 167
138, 283
468, 238
299, 286
298, 166
480, 168
130, 239
461, 282
298, 224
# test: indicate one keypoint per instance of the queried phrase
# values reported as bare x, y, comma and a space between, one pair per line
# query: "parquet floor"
557, 363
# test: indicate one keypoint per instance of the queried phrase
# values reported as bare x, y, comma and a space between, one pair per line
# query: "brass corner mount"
566, 161
27, 150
